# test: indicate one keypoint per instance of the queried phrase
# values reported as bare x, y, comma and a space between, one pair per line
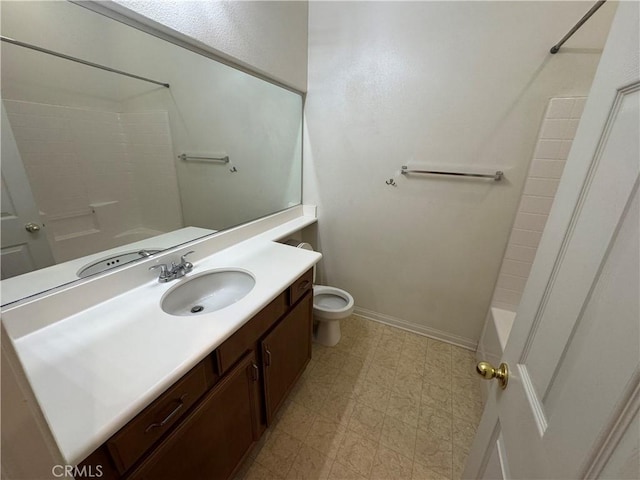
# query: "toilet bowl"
330, 305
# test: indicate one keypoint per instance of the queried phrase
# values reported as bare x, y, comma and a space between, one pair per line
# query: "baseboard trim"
419, 329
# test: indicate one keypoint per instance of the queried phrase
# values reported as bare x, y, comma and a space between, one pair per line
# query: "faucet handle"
164, 271
186, 265
183, 258
161, 266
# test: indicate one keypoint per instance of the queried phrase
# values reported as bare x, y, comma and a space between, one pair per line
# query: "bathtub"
494, 337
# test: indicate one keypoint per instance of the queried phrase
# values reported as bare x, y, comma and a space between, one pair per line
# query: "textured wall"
270, 37
453, 84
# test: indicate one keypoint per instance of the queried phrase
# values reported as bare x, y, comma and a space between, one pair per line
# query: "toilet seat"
331, 303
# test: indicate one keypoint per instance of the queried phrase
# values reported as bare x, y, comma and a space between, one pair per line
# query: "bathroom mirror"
100, 169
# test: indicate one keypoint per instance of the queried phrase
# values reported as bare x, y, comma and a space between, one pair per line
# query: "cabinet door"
215, 437
285, 354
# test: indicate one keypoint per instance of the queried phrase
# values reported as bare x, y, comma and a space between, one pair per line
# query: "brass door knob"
487, 371
32, 227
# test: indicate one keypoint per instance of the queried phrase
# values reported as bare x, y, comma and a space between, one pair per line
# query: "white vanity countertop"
94, 371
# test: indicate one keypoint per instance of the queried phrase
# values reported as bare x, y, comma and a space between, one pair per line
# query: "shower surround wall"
430, 83
101, 179
554, 142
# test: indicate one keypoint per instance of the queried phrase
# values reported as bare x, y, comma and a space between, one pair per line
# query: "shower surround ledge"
100, 349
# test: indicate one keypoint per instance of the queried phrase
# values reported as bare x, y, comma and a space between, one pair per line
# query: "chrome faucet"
168, 273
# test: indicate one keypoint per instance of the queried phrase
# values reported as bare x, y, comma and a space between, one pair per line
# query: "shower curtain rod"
586, 17
78, 60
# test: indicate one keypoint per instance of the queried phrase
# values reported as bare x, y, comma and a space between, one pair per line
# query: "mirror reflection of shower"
100, 150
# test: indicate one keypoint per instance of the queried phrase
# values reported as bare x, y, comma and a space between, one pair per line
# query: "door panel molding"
495, 434
594, 284
621, 419
575, 215
596, 193
537, 407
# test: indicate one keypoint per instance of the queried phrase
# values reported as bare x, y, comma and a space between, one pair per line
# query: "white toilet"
330, 305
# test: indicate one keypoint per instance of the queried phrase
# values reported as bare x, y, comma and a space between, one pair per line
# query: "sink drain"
197, 309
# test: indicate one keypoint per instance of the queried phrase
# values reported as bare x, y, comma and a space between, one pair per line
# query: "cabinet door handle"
255, 371
168, 417
267, 356
304, 285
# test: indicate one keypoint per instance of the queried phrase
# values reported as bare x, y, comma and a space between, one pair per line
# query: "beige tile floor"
383, 404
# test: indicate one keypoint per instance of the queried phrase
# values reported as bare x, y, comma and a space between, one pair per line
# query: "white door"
570, 409
22, 250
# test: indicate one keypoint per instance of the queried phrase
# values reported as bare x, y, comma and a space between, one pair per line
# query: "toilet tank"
306, 246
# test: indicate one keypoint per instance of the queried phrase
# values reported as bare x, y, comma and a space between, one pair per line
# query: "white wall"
269, 37
446, 83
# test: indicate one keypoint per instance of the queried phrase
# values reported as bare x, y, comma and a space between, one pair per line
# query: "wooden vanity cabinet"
286, 350
301, 286
205, 424
248, 336
128, 445
216, 436
282, 342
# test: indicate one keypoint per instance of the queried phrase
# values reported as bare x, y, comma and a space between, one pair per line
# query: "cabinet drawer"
301, 286
246, 337
153, 422
215, 437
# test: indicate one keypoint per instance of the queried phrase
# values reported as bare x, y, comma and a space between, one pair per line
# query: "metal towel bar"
202, 158
496, 176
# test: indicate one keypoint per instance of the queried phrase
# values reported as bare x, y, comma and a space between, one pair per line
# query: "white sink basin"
207, 292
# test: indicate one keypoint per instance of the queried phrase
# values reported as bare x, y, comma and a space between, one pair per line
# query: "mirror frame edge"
128, 17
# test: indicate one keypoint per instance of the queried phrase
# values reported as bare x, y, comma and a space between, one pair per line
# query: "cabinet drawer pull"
255, 373
304, 285
168, 417
267, 356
